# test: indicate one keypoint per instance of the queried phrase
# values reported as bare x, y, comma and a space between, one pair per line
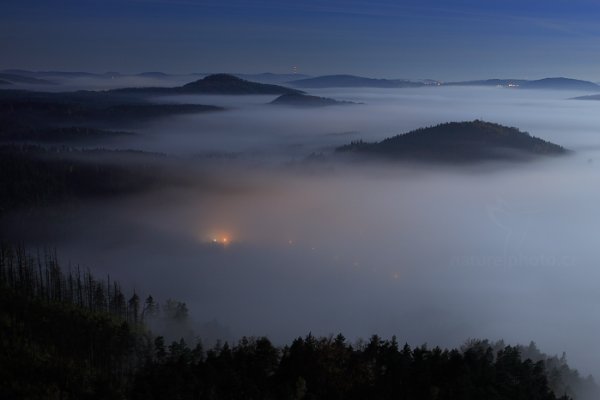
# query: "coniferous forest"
67, 334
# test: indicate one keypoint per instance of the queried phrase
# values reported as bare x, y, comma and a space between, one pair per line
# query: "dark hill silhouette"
304, 100
230, 84
458, 142
49, 110
59, 117
562, 84
33, 176
329, 81
214, 84
546, 83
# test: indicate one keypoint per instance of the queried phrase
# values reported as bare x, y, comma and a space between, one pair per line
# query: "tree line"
65, 334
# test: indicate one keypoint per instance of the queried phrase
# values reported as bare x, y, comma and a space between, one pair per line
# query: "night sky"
459, 39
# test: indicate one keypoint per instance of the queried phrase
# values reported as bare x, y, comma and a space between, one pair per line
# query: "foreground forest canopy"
81, 337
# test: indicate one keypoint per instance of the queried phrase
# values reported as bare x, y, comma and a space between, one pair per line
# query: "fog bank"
434, 255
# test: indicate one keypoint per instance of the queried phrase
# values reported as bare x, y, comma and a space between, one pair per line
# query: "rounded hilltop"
458, 142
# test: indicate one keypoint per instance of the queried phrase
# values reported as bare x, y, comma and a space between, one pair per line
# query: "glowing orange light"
221, 238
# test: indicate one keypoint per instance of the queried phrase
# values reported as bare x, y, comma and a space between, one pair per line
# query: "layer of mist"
430, 254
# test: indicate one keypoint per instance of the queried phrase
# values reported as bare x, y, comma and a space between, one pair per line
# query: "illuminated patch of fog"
433, 255
430, 256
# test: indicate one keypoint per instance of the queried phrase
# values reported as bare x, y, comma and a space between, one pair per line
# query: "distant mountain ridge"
559, 83
331, 81
263, 77
458, 142
301, 80
213, 84
352, 81
230, 84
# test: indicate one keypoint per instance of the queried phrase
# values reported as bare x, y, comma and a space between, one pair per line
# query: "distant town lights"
224, 240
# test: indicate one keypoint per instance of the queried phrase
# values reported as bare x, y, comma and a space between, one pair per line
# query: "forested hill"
79, 117
458, 142
33, 176
67, 334
213, 84
79, 337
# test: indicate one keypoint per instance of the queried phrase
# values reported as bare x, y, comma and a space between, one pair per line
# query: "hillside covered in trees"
84, 337
213, 84
82, 117
32, 176
458, 142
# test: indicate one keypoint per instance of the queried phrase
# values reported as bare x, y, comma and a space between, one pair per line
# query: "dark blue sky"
456, 39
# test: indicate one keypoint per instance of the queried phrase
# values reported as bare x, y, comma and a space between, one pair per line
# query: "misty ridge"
239, 205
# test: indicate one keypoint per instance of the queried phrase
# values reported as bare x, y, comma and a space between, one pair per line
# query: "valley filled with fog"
263, 239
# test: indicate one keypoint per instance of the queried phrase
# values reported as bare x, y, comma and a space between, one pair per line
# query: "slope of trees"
37, 176
69, 335
79, 117
64, 336
212, 84
458, 142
